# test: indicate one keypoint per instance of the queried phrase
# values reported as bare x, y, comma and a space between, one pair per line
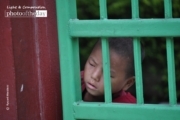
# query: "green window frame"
70, 29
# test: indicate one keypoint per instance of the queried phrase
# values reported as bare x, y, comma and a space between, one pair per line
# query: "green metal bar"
138, 71
171, 71
106, 71
77, 80
170, 57
68, 61
135, 9
137, 56
115, 111
105, 54
117, 28
103, 9
168, 8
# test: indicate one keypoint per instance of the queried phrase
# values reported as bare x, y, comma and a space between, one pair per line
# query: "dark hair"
124, 47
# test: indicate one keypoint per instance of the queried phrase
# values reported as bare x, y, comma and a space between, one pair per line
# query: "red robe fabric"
120, 97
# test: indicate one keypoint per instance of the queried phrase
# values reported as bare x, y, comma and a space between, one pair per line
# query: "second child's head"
121, 67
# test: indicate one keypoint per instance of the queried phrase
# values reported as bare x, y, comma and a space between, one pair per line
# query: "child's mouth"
91, 86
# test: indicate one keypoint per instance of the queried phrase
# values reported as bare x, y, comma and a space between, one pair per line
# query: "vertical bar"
103, 9
105, 54
137, 56
106, 71
138, 71
77, 83
168, 8
75, 53
69, 59
171, 71
135, 8
170, 57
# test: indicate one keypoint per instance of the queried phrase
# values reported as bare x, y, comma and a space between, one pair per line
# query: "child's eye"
112, 76
91, 64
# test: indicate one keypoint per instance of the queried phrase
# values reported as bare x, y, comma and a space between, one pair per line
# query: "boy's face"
93, 73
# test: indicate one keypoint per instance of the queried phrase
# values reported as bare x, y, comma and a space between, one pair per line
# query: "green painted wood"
170, 58
137, 56
125, 27
105, 54
115, 111
69, 57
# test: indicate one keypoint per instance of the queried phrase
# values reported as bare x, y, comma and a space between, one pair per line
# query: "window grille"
70, 29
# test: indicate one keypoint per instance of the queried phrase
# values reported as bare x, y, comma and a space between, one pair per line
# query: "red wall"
29, 65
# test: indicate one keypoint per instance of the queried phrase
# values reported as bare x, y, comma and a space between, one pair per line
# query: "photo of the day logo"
37, 13
25, 11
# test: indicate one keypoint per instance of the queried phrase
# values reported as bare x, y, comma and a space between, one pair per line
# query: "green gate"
70, 29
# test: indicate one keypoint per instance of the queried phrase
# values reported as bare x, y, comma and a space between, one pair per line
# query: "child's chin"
93, 93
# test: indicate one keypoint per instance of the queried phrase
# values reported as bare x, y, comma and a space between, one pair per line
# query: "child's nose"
96, 75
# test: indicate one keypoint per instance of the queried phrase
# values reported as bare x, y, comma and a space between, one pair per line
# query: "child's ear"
129, 83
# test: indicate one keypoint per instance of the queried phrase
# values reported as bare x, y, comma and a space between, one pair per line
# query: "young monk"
121, 71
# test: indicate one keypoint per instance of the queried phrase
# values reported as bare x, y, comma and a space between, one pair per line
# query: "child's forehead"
114, 56
117, 62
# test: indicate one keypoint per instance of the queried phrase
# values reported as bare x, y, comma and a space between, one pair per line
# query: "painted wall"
29, 64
